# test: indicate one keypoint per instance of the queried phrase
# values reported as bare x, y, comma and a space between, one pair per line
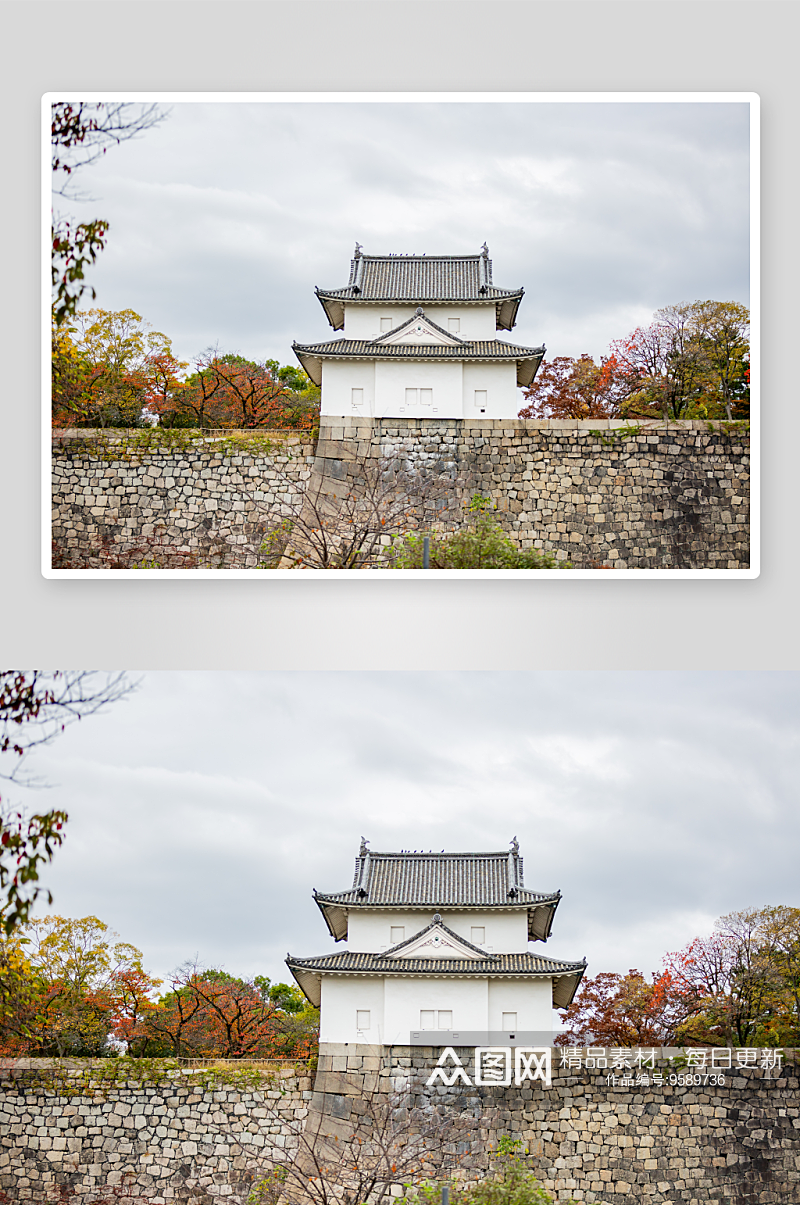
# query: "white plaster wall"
364, 321
530, 999
503, 396
339, 378
393, 378
395, 1005
342, 997
506, 932
370, 932
467, 999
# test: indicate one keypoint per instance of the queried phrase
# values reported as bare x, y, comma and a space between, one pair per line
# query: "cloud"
205, 808
224, 218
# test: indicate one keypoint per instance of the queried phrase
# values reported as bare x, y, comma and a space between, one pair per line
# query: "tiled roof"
433, 880
381, 964
467, 349
311, 355
439, 881
566, 975
421, 278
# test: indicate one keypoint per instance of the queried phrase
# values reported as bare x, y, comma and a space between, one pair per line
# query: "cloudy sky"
206, 806
225, 217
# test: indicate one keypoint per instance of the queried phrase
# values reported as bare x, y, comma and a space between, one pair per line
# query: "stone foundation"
737, 1144
598, 493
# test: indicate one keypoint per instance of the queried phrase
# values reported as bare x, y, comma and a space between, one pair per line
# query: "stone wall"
167, 1141
121, 500
598, 493
737, 1144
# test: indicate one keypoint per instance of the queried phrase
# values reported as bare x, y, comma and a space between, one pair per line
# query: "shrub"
481, 544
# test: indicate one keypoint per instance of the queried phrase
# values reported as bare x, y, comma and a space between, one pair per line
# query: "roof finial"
514, 845
357, 252
362, 853
485, 251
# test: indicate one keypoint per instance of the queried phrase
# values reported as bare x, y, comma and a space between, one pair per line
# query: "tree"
567, 388
228, 391
211, 1013
625, 1010
723, 330
690, 362
363, 1145
80, 134
480, 544
111, 369
348, 521
742, 980
34, 707
84, 984
78, 986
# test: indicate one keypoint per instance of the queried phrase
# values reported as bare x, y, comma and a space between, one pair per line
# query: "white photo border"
750, 98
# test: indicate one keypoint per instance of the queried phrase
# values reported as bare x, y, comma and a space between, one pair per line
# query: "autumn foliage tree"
743, 980
692, 361
229, 391
567, 388
74, 986
111, 369
739, 986
209, 1013
625, 1010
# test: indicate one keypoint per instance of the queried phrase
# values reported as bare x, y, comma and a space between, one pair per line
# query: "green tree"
85, 982
691, 362
111, 369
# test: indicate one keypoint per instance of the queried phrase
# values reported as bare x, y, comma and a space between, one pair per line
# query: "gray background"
443, 46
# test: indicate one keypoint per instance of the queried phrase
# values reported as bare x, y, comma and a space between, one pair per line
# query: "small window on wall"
427, 1019
478, 935
419, 397
362, 1018
397, 933
509, 1022
445, 1019
357, 399
480, 400
454, 325
386, 324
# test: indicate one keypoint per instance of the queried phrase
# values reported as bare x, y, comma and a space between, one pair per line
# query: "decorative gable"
419, 329
436, 941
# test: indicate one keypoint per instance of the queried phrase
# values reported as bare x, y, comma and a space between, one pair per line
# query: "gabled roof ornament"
484, 251
364, 843
357, 252
514, 846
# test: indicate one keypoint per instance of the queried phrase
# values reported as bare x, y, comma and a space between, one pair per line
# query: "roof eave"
565, 987
309, 982
507, 310
528, 368
312, 365
334, 309
335, 917
540, 919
